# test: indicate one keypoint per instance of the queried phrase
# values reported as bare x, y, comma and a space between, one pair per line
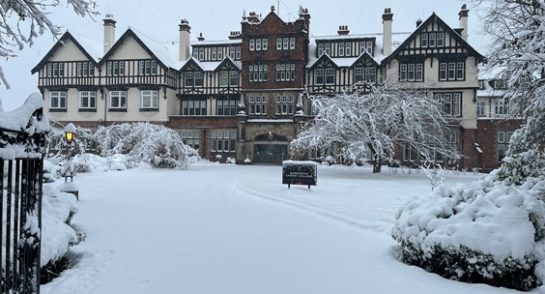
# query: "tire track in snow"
349, 221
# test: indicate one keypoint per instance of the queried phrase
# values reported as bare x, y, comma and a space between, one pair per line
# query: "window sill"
87, 110
57, 109
117, 109
149, 109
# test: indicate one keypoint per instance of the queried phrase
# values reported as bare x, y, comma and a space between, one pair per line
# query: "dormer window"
147, 67
481, 85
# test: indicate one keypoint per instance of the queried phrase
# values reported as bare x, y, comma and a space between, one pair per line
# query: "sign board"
299, 173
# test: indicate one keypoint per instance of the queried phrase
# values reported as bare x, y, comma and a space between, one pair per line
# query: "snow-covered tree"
518, 50
378, 120
493, 231
23, 20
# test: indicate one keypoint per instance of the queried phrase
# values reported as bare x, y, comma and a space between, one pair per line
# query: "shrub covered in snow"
143, 142
57, 235
492, 231
122, 146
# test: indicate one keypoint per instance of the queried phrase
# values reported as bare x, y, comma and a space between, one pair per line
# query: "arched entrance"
270, 148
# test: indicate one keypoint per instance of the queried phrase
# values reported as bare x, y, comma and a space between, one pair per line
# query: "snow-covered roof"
95, 49
163, 51
397, 39
217, 42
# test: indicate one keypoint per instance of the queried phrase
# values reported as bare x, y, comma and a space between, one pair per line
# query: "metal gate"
270, 153
21, 170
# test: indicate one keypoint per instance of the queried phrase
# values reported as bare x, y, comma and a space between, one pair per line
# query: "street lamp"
69, 132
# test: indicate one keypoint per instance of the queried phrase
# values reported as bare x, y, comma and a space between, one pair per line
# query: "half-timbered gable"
67, 64
324, 76
434, 54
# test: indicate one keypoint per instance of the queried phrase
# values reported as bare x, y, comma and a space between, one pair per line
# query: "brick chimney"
185, 32
387, 19
463, 14
343, 30
109, 32
418, 22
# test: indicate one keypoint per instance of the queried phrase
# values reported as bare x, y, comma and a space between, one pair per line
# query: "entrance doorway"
272, 153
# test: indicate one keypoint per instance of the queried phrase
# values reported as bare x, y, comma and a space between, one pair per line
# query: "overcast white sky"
216, 18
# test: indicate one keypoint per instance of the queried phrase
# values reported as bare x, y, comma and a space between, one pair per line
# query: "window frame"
60, 98
153, 96
90, 97
121, 95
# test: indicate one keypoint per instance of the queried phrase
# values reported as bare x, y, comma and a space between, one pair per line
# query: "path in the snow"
236, 229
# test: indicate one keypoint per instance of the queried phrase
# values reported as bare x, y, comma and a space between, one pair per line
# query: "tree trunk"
377, 164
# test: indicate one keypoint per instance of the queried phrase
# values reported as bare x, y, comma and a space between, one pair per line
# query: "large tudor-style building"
247, 97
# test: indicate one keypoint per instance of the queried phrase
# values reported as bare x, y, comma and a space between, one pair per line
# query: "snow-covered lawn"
237, 229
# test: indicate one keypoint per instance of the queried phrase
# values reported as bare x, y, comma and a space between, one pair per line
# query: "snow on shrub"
57, 235
143, 142
492, 231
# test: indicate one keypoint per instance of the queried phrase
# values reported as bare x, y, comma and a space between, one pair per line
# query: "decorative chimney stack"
200, 38
304, 14
418, 22
185, 32
109, 32
343, 30
387, 19
463, 14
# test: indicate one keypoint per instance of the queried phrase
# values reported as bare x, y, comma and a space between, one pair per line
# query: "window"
220, 53
278, 43
340, 47
252, 44
411, 72
285, 72
452, 103
482, 85
193, 79
258, 45
226, 106
285, 43
500, 107
329, 76
502, 144
424, 40
359, 74
285, 105
234, 78
147, 67
224, 78
258, 73
232, 52
191, 137
87, 100
371, 74
365, 74
460, 71
57, 100
348, 50
320, 49
452, 71
118, 100
431, 40
402, 72
201, 53
149, 99
440, 39
194, 107
115, 68
258, 105
481, 108
292, 43
213, 53
85, 69
319, 76
55, 69
265, 44
223, 140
